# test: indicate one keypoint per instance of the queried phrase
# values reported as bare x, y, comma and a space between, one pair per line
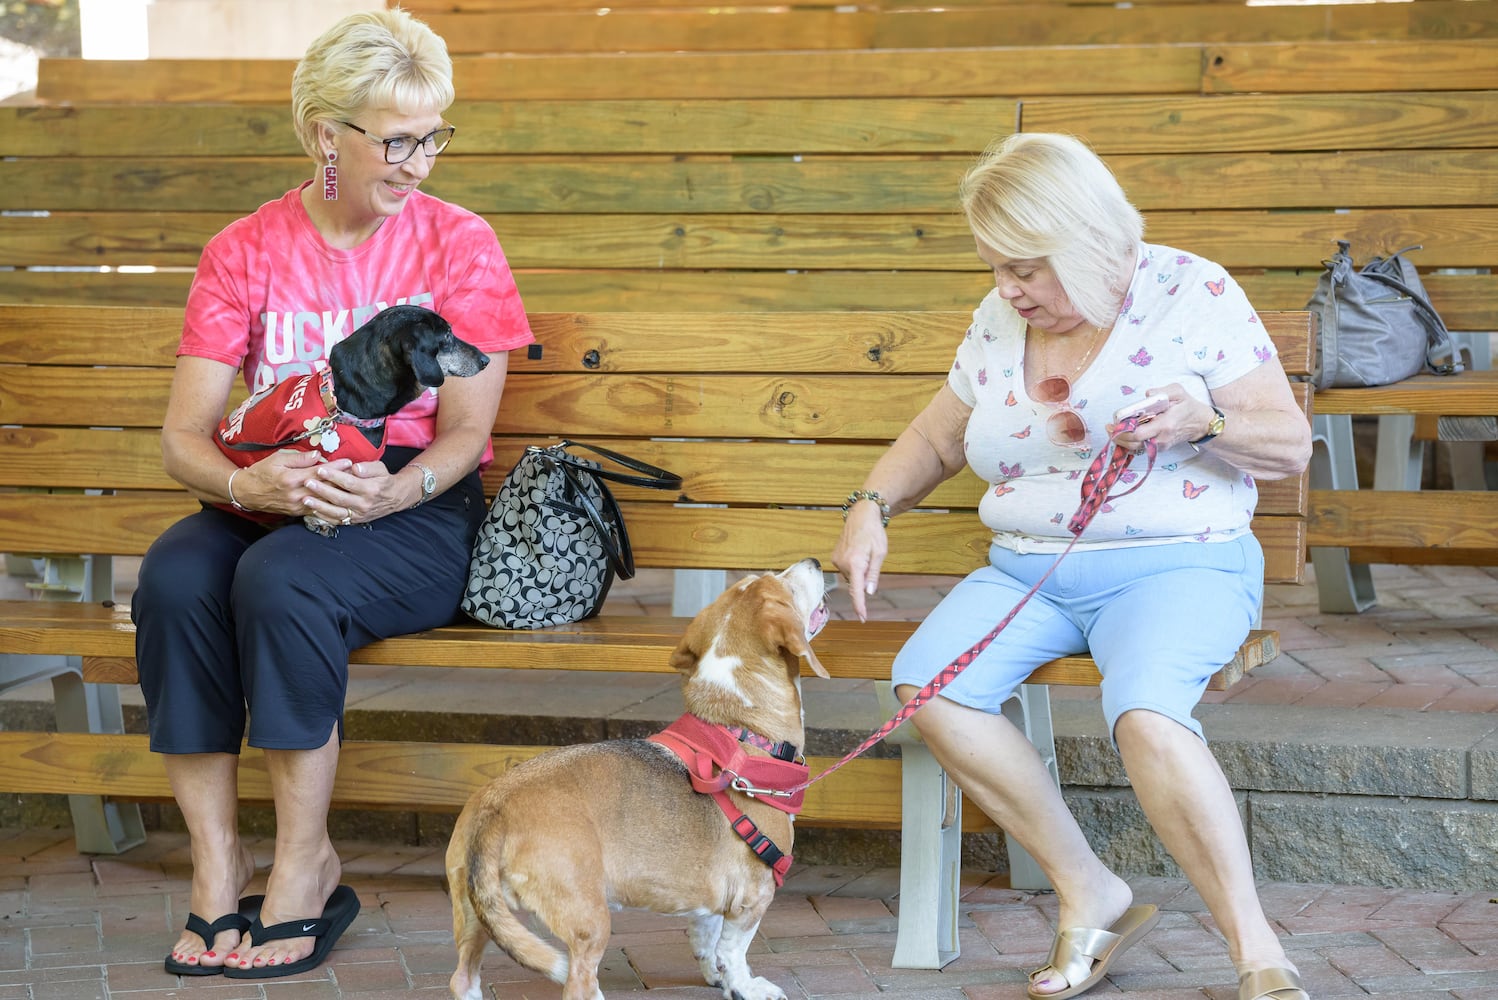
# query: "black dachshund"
340, 411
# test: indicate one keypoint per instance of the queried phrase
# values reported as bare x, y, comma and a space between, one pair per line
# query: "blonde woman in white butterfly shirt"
1084, 319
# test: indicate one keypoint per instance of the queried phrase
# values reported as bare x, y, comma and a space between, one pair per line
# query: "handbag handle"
652, 478
615, 544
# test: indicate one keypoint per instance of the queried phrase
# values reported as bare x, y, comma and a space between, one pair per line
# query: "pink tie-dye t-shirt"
1184, 320
272, 297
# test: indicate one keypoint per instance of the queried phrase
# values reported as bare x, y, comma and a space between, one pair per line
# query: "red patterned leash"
1100, 479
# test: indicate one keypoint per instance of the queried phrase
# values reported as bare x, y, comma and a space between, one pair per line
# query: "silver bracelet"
236, 503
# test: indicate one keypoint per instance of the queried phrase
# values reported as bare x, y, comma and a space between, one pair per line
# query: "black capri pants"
233, 619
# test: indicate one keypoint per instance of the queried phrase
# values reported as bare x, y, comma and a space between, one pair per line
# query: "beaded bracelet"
858, 495
236, 503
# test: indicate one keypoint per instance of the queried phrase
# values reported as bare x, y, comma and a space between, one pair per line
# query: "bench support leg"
930, 851
1342, 586
99, 826
931, 833
694, 589
1030, 710
1399, 459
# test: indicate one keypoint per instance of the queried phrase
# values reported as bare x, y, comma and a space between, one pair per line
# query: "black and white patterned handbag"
554, 539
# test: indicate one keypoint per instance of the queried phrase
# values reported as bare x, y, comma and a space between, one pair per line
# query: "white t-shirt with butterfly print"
1184, 320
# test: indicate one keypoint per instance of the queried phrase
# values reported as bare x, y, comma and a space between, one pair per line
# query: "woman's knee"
1151, 729
191, 559
267, 587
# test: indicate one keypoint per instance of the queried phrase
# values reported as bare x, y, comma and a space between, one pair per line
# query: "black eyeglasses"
403, 147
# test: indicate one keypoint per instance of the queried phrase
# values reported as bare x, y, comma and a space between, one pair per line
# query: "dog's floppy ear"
426, 342
792, 639
686, 654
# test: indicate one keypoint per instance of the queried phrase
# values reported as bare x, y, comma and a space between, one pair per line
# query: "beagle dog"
696, 820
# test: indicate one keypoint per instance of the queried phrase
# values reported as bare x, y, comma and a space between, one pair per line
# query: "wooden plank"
802, 406
1101, 23
819, 28
957, 72
863, 185
1282, 239
666, 537
422, 776
887, 342
1431, 519
1451, 237
124, 397
850, 407
593, 344
864, 125
82, 458
1332, 67
96, 285
1422, 557
657, 186
1323, 179
1465, 301
1465, 394
660, 31
105, 638
1271, 122
725, 472
88, 335
1180, 123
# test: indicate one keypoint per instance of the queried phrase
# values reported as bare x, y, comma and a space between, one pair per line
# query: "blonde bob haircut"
1041, 196
371, 60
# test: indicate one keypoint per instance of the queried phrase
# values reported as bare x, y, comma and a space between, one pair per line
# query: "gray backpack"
1377, 326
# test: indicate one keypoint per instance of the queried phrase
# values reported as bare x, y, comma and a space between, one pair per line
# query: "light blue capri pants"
1160, 620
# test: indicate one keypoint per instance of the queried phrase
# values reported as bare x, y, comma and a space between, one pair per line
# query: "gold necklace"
1097, 342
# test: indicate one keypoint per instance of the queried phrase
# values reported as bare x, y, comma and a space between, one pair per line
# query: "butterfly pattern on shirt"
1179, 325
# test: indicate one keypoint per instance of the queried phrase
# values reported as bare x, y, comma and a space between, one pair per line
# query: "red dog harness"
301, 413
716, 760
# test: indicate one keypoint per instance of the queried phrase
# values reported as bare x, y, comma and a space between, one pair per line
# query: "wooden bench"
769, 417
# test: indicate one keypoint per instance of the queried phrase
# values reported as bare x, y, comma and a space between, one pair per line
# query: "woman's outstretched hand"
860, 552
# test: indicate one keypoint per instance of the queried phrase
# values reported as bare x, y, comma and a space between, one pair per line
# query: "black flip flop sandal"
239, 921
341, 909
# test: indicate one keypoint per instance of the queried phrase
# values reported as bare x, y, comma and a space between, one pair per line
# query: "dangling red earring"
330, 177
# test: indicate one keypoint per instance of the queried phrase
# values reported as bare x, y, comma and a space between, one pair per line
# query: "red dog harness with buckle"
715, 758
293, 411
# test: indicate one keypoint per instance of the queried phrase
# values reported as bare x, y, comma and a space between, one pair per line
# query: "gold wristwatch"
1213, 429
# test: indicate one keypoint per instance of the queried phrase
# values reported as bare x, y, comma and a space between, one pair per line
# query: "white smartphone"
1143, 408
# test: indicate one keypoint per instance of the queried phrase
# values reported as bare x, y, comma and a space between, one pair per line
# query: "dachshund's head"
388, 361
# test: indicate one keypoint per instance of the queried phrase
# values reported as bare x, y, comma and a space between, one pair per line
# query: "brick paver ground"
79, 928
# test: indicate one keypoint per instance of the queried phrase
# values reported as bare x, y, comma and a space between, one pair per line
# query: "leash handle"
1096, 484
